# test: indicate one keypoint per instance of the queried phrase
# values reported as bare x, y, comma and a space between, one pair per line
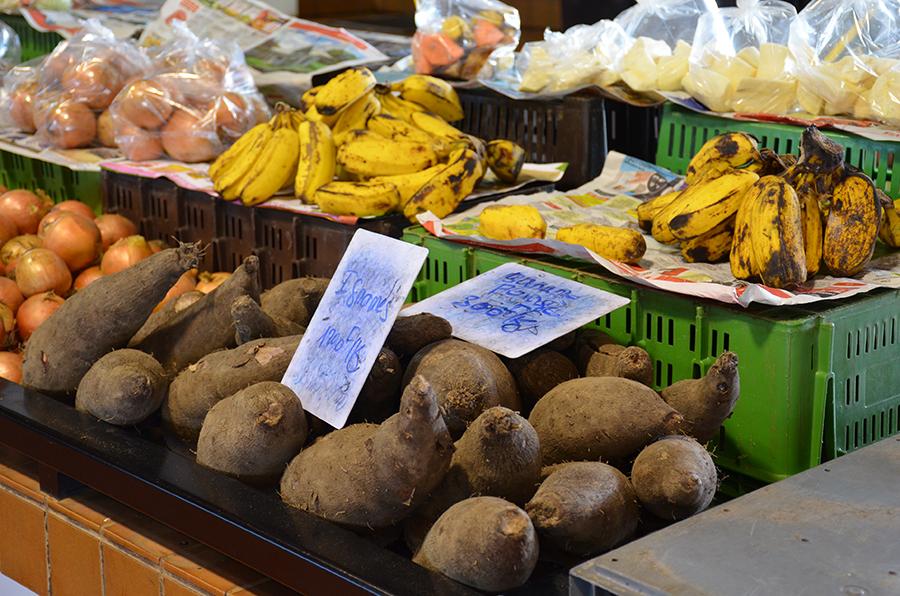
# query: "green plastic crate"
34, 43
816, 382
682, 132
60, 182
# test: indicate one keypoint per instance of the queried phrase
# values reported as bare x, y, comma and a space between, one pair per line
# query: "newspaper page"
611, 199
125, 18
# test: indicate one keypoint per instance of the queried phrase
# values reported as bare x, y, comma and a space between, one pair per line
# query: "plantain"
433, 94
436, 126
510, 222
647, 210
852, 225
312, 114
231, 180
769, 164
397, 107
342, 90
812, 231
788, 159
618, 244
236, 152
702, 207
890, 227
366, 154
505, 159
742, 259
776, 234
818, 153
721, 153
712, 247
355, 117
307, 100
274, 168
392, 127
444, 192
409, 184
316, 160
362, 199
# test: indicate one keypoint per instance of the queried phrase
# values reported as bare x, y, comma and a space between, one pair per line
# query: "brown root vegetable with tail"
705, 403
123, 388
674, 477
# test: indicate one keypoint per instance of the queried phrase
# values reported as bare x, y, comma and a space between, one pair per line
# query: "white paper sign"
351, 323
515, 309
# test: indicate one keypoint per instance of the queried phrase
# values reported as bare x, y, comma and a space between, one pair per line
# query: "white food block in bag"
605, 78
766, 96
854, 72
878, 65
710, 87
738, 69
670, 70
810, 102
863, 107
750, 55
773, 61
639, 63
884, 97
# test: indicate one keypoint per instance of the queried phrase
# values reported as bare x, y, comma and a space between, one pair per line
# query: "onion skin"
11, 367
8, 230
34, 311
7, 327
21, 109
74, 206
114, 227
125, 253
41, 270
145, 104
93, 82
75, 238
25, 209
87, 276
157, 245
106, 129
207, 282
15, 248
189, 139
10, 295
137, 144
71, 125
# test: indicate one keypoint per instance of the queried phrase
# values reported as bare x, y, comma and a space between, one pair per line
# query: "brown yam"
123, 388
538, 372
100, 318
221, 374
379, 398
484, 542
612, 360
587, 342
563, 342
499, 455
467, 379
373, 476
295, 300
164, 315
706, 403
674, 478
584, 508
411, 334
596, 418
253, 434
251, 322
205, 326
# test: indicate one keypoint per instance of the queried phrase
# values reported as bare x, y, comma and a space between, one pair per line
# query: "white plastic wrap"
455, 38
665, 20
740, 59
847, 53
10, 49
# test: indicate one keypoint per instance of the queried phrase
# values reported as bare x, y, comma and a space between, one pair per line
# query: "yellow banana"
392, 127
436, 126
712, 247
409, 184
776, 234
701, 207
505, 159
397, 107
659, 229
232, 179
367, 154
231, 155
343, 90
444, 192
274, 168
769, 164
355, 117
308, 99
316, 160
720, 153
297, 118
435, 95
647, 210
363, 199
312, 114
812, 231
618, 244
890, 227
820, 154
509, 222
743, 262
852, 225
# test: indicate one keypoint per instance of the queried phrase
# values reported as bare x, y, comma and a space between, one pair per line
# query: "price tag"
513, 309
349, 327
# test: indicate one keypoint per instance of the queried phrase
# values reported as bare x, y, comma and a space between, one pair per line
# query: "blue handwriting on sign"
352, 348
354, 294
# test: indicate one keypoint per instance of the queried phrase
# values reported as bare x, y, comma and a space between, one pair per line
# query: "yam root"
251, 322
380, 395
600, 417
295, 300
205, 326
253, 434
612, 360
100, 318
367, 475
587, 342
706, 403
467, 380
484, 542
124, 387
674, 477
221, 374
584, 508
499, 455
411, 334
164, 315
563, 342
538, 372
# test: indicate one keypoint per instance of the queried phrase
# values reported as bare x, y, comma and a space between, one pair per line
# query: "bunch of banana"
261, 162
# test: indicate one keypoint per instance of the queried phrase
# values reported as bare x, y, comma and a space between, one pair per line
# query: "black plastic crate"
632, 130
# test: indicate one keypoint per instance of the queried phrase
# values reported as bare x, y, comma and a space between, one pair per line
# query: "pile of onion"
91, 274
7, 327
75, 238
34, 311
15, 248
25, 209
114, 227
11, 367
42, 270
125, 253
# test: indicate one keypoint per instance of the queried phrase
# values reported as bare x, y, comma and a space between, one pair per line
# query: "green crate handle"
823, 384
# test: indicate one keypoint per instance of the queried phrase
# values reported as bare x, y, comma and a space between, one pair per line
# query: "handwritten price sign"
351, 323
514, 309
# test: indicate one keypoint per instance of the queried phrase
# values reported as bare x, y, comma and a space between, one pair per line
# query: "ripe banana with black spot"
509, 222
812, 231
505, 159
435, 95
890, 227
316, 160
721, 153
436, 126
355, 117
392, 127
366, 154
852, 226
702, 207
776, 234
362, 199
397, 107
444, 192
712, 247
743, 261
236, 152
274, 168
647, 210
229, 181
618, 244
409, 184
342, 90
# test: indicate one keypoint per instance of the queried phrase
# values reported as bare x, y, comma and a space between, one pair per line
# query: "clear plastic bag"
843, 48
10, 49
740, 60
199, 99
20, 88
455, 38
665, 20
